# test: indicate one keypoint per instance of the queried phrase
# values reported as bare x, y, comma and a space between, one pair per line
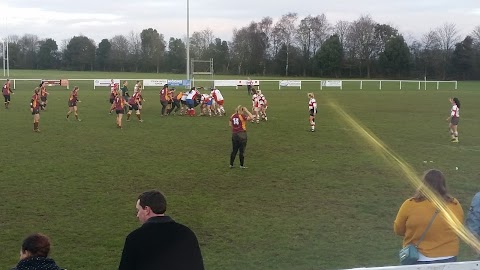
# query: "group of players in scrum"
184, 103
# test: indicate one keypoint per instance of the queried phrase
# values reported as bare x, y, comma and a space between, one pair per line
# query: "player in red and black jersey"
43, 96
35, 108
6, 91
164, 99
135, 105
113, 93
72, 103
118, 105
238, 123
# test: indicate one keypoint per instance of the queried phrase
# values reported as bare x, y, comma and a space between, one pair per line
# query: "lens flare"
403, 167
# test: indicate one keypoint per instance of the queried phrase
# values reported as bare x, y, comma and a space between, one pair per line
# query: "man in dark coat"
160, 243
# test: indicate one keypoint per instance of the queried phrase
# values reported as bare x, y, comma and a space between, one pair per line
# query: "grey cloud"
109, 18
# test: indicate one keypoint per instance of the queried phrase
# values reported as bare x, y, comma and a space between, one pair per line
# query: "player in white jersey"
183, 103
259, 102
263, 105
206, 104
219, 101
192, 97
254, 98
454, 118
312, 107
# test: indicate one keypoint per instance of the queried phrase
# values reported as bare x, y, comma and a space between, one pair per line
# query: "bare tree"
135, 49
200, 41
341, 29
361, 39
431, 41
431, 53
285, 29
265, 27
321, 31
476, 35
239, 47
29, 46
305, 38
119, 51
447, 36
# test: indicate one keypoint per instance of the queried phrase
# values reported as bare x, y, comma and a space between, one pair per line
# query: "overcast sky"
63, 19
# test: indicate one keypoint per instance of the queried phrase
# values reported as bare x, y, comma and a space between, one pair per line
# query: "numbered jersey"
238, 123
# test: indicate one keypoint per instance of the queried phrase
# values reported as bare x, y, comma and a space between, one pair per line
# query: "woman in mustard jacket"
440, 244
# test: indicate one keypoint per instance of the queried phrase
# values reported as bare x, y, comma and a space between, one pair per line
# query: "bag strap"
428, 227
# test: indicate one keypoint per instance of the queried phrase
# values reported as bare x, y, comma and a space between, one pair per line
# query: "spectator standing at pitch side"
473, 217
440, 244
249, 86
160, 243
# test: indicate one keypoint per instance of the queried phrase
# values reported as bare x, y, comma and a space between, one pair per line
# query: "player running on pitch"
312, 107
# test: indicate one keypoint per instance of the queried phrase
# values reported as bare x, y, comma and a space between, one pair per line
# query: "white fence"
315, 84
473, 265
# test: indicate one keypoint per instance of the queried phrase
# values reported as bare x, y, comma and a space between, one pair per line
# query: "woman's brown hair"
434, 180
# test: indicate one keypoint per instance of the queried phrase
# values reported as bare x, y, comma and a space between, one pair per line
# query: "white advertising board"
156, 82
104, 82
290, 83
332, 83
232, 83
246, 82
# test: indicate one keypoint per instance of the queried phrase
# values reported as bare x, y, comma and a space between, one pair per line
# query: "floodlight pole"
8, 60
188, 40
3, 56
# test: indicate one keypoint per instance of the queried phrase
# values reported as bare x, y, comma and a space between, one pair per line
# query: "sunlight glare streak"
399, 164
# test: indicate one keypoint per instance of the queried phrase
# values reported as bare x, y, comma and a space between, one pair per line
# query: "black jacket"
37, 263
160, 244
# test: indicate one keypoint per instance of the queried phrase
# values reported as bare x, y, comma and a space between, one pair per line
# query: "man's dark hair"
37, 244
155, 200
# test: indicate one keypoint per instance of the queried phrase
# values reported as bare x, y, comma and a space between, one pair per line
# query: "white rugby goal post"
202, 68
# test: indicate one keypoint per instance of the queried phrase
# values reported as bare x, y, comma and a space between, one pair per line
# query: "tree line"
291, 46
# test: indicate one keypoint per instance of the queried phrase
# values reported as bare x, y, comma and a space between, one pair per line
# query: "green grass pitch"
322, 200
